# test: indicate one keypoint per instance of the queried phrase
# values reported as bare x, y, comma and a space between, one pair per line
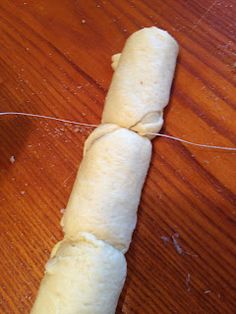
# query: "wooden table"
55, 60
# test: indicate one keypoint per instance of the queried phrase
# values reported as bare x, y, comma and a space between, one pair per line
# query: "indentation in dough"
150, 123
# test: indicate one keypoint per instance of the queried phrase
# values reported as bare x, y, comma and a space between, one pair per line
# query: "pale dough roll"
83, 277
108, 186
141, 83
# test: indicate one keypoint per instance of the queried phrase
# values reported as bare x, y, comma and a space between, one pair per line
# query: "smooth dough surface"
141, 83
108, 186
83, 277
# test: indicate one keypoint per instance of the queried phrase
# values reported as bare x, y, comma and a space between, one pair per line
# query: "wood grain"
55, 60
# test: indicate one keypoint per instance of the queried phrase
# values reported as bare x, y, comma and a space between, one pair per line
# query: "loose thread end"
233, 149
48, 118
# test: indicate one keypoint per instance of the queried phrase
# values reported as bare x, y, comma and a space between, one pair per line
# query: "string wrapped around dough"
82, 277
108, 186
141, 83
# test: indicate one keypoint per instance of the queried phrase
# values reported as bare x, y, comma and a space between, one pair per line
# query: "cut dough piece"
108, 186
141, 83
84, 277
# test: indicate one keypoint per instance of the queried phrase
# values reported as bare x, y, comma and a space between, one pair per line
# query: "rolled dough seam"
101, 131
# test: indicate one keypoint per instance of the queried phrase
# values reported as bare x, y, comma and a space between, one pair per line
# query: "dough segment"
141, 83
81, 277
108, 186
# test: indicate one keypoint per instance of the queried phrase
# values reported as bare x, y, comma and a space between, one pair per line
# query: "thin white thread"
47, 118
95, 125
192, 143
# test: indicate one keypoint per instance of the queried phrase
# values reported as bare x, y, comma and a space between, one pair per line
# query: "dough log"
82, 277
86, 271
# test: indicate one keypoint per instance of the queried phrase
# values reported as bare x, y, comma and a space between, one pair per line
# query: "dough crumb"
177, 247
165, 240
187, 281
12, 159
